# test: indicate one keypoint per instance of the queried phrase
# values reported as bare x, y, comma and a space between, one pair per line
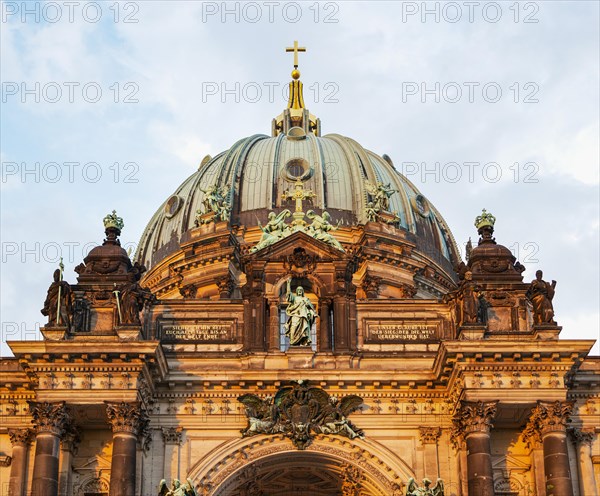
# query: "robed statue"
540, 294
301, 317
177, 488
58, 306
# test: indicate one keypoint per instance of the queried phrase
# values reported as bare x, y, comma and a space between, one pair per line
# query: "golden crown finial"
486, 219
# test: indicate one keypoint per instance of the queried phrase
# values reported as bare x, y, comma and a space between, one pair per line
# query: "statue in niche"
412, 489
321, 227
468, 301
177, 488
58, 306
301, 317
275, 230
540, 294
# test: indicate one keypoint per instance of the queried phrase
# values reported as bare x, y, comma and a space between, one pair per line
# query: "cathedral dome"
256, 170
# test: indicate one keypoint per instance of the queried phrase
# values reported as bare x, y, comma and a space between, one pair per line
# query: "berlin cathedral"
297, 320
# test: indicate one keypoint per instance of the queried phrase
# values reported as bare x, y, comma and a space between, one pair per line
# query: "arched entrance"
272, 466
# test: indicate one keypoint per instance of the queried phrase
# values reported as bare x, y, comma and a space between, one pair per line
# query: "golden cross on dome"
295, 49
298, 195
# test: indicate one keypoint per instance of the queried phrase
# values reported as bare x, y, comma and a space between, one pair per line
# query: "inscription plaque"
404, 332
209, 332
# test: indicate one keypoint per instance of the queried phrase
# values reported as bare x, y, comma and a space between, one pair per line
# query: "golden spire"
296, 115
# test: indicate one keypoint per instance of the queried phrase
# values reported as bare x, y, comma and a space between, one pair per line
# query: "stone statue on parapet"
321, 227
275, 230
177, 488
58, 306
214, 202
412, 489
540, 294
132, 297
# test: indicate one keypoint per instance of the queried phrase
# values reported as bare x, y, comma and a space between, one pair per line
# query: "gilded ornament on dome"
113, 221
486, 219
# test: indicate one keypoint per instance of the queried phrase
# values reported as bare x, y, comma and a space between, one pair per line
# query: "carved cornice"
429, 435
127, 418
475, 417
172, 435
20, 437
52, 418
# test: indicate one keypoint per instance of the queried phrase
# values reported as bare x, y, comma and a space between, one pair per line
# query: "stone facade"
420, 365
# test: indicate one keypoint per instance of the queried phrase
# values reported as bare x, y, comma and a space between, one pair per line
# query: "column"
583, 439
550, 420
324, 325
341, 340
474, 421
273, 325
68, 445
172, 437
51, 421
20, 440
128, 422
429, 438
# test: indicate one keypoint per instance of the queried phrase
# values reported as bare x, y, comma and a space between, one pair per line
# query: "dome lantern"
296, 116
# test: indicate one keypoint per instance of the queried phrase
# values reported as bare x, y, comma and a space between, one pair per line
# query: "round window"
173, 205
420, 205
297, 169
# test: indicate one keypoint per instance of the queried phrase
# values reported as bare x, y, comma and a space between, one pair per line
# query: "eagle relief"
300, 412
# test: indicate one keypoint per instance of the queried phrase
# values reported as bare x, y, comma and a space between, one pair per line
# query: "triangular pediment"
298, 239
95, 463
509, 462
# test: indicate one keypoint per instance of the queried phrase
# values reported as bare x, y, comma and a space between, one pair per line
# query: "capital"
552, 417
20, 437
475, 416
127, 418
172, 435
53, 418
429, 435
581, 436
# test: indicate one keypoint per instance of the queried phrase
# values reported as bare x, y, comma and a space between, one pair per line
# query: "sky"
111, 105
